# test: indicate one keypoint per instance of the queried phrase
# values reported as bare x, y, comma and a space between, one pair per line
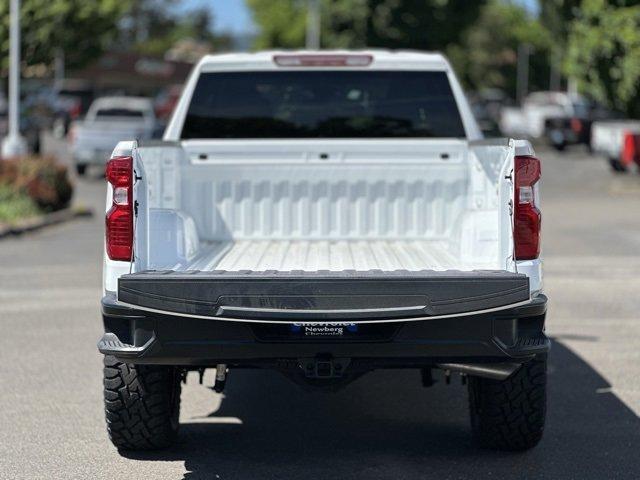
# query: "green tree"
346, 24
282, 23
162, 31
556, 16
416, 24
82, 29
488, 54
145, 20
604, 53
420, 24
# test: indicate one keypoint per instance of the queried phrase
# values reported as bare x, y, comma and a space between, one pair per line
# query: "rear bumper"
138, 336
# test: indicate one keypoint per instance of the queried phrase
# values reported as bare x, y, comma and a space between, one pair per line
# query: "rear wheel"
142, 404
510, 414
617, 166
81, 169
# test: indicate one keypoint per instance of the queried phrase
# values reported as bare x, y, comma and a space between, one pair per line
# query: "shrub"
15, 205
43, 180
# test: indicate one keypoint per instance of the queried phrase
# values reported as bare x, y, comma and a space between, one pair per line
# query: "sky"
230, 15
233, 15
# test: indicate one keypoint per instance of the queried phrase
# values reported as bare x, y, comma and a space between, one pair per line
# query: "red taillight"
119, 171
631, 149
527, 218
576, 125
322, 60
76, 110
119, 220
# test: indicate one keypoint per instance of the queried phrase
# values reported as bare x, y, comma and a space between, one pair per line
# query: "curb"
45, 220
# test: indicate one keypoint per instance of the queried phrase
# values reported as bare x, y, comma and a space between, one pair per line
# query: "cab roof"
380, 58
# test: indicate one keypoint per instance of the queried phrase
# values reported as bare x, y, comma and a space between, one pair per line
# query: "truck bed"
313, 255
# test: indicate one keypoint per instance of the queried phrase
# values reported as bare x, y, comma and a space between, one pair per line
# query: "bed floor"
313, 255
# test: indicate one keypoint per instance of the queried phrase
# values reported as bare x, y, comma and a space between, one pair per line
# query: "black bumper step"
110, 344
274, 296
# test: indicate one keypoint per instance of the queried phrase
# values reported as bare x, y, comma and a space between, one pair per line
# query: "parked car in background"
630, 152
166, 101
323, 214
487, 106
70, 101
538, 109
565, 130
106, 122
512, 122
30, 125
608, 139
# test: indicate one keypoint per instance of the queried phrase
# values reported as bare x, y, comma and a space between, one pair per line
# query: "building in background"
132, 73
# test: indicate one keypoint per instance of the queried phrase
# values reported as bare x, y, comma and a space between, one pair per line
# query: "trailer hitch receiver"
324, 367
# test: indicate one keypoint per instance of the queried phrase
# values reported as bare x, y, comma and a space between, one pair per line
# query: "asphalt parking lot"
385, 425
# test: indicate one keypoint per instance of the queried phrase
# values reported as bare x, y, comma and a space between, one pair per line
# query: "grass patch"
15, 205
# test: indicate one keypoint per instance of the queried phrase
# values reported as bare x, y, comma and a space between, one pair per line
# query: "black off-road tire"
617, 166
510, 414
560, 146
142, 404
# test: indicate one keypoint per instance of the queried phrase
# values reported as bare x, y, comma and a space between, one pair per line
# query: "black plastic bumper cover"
322, 296
138, 336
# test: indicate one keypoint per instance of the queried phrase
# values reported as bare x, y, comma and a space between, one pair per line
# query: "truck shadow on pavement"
387, 425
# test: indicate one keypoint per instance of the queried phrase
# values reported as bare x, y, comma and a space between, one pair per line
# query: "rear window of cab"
323, 104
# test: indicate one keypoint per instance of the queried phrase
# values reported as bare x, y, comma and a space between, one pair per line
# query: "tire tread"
142, 404
510, 414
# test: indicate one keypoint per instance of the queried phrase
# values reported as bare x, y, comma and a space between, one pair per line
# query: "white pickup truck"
608, 138
538, 108
324, 214
108, 120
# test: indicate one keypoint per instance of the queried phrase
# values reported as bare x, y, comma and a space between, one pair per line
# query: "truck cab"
324, 214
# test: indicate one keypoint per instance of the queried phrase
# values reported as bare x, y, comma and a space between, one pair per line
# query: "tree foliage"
156, 30
82, 29
480, 37
604, 53
416, 24
488, 54
282, 23
556, 16
420, 24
